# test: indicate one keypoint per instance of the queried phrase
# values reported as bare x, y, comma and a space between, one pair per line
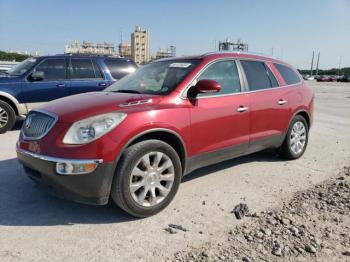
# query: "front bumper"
92, 188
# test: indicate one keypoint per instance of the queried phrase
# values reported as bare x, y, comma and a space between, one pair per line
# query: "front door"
220, 121
54, 84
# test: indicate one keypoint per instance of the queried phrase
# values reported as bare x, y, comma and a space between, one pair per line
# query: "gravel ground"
37, 227
314, 225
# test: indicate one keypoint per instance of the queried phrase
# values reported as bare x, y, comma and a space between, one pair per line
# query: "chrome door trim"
243, 80
58, 159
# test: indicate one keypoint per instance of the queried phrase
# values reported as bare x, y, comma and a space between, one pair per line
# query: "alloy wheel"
3, 117
152, 179
298, 137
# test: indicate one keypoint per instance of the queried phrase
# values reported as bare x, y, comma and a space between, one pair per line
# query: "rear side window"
119, 67
226, 74
288, 74
259, 76
82, 69
53, 68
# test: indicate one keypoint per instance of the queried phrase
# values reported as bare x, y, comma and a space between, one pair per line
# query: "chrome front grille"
38, 124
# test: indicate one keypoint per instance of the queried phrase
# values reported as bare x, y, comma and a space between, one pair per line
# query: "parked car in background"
343, 78
317, 77
333, 78
38, 80
326, 79
135, 141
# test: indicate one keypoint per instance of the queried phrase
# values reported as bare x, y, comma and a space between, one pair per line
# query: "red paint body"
204, 125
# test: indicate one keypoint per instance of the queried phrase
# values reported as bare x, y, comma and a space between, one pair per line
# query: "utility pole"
318, 60
272, 51
312, 63
339, 65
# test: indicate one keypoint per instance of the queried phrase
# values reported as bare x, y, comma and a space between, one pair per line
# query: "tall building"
140, 46
173, 50
125, 50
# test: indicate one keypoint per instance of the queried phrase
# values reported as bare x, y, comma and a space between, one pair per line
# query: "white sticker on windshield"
180, 65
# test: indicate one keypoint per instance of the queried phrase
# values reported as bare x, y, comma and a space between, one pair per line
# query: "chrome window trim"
241, 74
184, 92
42, 111
267, 67
58, 159
295, 71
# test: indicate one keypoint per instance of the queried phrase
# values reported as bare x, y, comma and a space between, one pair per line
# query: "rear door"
53, 86
85, 76
269, 106
220, 121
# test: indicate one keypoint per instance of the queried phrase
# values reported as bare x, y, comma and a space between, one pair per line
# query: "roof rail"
88, 55
239, 52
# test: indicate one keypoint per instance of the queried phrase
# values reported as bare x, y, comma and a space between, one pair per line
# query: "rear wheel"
296, 139
7, 117
147, 178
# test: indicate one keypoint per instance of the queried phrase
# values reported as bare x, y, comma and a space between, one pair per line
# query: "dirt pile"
314, 225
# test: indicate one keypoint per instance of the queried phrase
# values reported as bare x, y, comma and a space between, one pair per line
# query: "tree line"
6, 56
333, 71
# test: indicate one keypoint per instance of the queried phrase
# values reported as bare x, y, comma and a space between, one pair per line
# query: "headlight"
92, 128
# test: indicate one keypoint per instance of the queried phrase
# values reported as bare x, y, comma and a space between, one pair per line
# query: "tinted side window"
288, 74
53, 68
258, 75
226, 74
98, 73
120, 68
81, 69
273, 79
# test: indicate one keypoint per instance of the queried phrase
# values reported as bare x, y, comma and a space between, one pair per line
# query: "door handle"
242, 109
282, 102
61, 85
102, 84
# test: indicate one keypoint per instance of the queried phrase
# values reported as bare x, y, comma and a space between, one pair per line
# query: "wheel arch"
166, 135
9, 101
305, 115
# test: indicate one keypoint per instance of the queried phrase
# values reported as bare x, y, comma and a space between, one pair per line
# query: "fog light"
75, 168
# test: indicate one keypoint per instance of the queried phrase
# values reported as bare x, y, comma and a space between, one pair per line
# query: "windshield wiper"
127, 91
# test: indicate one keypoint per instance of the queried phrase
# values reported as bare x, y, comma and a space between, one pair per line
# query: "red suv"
136, 140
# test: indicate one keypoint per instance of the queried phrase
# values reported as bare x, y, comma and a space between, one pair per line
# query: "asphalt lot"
36, 226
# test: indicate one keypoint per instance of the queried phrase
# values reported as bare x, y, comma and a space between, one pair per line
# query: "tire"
145, 202
288, 149
7, 117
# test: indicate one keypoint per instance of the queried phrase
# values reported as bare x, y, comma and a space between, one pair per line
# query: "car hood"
77, 107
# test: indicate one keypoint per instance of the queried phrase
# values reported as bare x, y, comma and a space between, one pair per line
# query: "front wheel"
147, 178
296, 139
7, 117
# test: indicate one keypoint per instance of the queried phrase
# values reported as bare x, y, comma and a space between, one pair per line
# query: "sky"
290, 30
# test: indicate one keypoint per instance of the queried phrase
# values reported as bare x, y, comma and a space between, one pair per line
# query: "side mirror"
37, 76
204, 86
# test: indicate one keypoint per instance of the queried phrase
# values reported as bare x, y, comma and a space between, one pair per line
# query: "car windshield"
22, 67
157, 78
